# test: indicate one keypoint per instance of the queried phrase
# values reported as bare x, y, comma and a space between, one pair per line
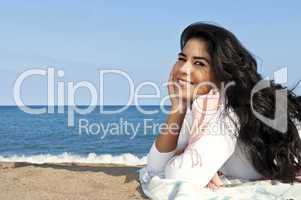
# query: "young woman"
210, 88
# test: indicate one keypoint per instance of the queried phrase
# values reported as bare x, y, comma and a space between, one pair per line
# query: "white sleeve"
156, 161
204, 157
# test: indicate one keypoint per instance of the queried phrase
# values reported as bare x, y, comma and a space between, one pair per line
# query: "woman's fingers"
216, 180
171, 84
212, 186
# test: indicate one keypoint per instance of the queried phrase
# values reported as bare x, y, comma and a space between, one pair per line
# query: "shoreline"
23, 180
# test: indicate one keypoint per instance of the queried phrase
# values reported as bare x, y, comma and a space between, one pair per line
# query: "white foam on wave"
126, 159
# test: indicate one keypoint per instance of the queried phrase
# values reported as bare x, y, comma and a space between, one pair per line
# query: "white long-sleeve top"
215, 149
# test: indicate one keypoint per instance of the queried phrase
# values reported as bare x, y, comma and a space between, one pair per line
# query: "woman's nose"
186, 68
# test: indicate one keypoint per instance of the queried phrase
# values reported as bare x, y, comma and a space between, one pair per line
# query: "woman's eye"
199, 63
181, 59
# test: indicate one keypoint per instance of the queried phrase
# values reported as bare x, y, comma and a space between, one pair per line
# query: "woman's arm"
205, 154
201, 160
164, 147
215, 182
168, 138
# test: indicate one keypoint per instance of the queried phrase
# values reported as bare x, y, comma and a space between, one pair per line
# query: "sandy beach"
19, 180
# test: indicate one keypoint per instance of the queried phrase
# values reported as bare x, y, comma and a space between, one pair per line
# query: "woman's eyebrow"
201, 58
195, 57
182, 54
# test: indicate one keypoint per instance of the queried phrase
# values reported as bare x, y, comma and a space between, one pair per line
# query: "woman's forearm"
168, 138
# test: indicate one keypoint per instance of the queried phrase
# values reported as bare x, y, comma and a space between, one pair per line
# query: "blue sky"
139, 37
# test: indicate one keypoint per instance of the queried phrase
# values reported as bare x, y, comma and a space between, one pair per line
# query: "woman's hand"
178, 100
215, 182
168, 137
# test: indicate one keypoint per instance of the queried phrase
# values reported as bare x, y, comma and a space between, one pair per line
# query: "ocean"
96, 137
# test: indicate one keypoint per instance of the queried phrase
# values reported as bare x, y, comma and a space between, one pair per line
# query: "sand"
24, 181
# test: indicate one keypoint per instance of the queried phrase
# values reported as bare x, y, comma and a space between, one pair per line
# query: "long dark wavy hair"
274, 154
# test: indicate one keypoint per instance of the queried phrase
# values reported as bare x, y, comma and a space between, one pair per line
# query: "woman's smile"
184, 83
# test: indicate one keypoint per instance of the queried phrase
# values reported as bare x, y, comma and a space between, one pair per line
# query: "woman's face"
193, 70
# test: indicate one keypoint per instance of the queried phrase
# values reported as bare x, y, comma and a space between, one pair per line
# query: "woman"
210, 86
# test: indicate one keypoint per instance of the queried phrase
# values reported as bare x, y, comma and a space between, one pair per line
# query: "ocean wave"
125, 159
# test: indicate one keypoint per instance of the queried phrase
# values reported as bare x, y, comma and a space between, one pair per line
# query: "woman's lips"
184, 82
